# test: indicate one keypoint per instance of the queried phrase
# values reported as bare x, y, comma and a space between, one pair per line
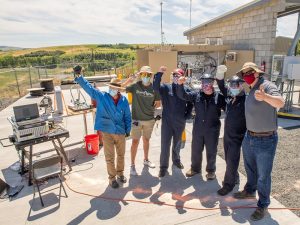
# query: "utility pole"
161, 27
190, 14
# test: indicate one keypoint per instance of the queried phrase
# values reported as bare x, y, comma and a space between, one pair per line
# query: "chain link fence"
15, 82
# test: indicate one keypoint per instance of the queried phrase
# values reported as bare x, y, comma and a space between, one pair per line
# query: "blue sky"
37, 23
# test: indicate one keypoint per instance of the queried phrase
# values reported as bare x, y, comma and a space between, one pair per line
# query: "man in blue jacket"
113, 119
206, 126
175, 112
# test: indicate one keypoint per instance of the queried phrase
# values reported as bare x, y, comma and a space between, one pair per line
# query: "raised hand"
162, 69
260, 94
221, 69
181, 80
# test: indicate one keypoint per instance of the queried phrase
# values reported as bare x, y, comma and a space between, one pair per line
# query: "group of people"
250, 123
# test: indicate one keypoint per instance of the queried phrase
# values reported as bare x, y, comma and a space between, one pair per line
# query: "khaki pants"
110, 142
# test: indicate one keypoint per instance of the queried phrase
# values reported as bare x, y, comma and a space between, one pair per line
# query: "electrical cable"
174, 205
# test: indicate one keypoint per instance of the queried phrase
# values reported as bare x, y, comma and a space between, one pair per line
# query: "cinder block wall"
251, 30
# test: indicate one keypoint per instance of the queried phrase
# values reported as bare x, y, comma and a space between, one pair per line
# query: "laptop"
26, 112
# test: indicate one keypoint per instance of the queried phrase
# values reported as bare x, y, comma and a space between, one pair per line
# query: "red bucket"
92, 143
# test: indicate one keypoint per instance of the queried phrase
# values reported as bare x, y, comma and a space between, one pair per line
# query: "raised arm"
182, 93
222, 87
157, 79
220, 79
89, 89
128, 81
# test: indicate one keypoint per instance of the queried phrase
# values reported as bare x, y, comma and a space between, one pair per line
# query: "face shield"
207, 86
234, 88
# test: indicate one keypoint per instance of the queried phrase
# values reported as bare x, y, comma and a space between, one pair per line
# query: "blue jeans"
258, 153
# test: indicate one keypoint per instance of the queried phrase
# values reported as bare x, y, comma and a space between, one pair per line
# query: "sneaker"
133, 171
243, 195
211, 176
122, 179
224, 191
162, 173
259, 213
148, 163
178, 165
114, 184
191, 173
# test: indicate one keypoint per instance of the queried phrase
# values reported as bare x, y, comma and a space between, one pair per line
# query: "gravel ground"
286, 168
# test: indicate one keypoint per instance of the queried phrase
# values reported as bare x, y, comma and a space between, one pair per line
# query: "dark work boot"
114, 184
162, 173
259, 213
191, 173
178, 165
224, 190
243, 195
122, 178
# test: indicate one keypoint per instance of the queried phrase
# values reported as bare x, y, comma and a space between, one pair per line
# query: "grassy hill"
57, 62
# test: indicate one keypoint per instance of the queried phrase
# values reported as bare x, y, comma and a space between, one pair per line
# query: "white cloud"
287, 26
31, 23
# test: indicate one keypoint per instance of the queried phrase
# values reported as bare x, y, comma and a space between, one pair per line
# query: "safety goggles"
207, 81
143, 74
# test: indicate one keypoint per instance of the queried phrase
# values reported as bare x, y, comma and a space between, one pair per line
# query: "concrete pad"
144, 199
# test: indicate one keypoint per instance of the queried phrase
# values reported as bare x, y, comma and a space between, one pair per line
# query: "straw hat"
249, 65
115, 83
146, 69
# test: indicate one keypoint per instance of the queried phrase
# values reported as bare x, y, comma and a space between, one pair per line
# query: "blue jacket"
110, 118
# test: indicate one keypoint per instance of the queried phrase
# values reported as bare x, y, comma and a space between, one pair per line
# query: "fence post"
46, 71
30, 76
39, 72
16, 76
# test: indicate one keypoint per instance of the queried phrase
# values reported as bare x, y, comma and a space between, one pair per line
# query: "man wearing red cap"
174, 114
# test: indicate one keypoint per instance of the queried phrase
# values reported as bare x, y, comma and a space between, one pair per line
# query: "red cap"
178, 71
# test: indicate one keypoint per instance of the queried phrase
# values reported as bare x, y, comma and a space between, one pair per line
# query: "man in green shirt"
144, 102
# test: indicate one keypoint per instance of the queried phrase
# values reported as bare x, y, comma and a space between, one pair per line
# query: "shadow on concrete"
51, 204
105, 207
174, 184
141, 186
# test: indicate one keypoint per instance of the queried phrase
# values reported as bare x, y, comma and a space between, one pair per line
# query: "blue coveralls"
206, 126
234, 131
174, 114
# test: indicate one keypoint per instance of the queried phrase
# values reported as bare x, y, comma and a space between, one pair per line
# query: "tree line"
101, 60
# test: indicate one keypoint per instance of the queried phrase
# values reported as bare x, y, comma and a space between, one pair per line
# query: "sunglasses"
248, 73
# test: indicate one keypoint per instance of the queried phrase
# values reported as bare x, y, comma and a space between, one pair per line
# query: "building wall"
251, 30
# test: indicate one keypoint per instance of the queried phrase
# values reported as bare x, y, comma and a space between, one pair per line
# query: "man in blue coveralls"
174, 114
207, 124
234, 128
